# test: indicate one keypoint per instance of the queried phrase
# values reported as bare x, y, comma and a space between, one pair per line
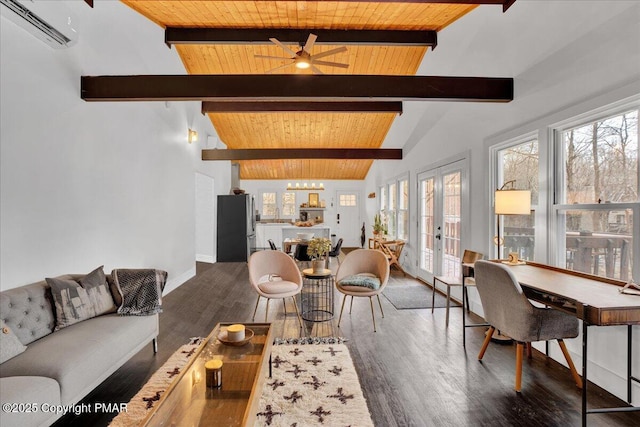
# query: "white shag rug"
144, 401
312, 385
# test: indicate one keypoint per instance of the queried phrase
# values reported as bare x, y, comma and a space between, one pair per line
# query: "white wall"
85, 184
566, 57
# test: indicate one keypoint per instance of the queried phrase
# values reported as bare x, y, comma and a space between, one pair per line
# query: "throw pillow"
72, 302
95, 283
10, 345
365, 280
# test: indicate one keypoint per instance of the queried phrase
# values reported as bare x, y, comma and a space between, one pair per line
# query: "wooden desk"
595, 300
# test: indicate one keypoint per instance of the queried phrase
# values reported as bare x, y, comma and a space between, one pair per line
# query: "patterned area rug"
312, 385
140, 405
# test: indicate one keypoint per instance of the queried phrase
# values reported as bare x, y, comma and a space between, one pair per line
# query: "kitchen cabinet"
264, 232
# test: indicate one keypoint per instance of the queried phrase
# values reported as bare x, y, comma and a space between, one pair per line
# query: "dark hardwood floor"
414, 371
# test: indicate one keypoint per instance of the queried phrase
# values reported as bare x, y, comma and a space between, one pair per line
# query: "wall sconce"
510, 202
305, 186
193, 136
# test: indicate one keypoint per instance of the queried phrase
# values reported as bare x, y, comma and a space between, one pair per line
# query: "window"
383, 203
392, 211
289, 204
403, 209
347, 200
597, 194
269, 204
519, 163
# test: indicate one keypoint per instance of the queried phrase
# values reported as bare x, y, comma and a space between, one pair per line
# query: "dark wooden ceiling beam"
281, 87
303, 153
261, 36
275, 106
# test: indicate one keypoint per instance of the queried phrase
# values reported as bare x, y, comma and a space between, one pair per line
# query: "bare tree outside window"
600, 168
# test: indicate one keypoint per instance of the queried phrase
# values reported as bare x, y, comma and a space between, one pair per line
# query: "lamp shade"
513, 202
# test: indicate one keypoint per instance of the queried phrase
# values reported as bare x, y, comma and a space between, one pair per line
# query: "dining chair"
507, 309
363, 273
274, 274
465, 279
335, 252
272, 245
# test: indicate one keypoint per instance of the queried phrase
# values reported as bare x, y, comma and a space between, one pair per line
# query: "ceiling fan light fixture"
302, 64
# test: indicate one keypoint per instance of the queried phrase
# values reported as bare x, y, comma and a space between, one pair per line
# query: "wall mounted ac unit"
50, 21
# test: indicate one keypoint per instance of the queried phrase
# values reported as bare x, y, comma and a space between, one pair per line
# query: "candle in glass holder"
213, 373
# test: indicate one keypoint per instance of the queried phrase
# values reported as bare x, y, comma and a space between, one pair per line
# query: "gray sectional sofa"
60, 367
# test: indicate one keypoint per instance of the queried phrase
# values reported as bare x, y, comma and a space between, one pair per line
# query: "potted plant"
379, 227
317, 249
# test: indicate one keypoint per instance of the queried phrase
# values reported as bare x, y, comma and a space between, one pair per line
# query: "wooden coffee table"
189, 402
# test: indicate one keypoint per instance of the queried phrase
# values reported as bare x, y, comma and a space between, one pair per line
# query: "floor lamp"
510, 202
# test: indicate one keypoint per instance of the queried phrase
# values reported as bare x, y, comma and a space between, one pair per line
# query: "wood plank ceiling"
242, 130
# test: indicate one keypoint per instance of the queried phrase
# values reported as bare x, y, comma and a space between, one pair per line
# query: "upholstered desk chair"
274, 274
507, 309
362, 263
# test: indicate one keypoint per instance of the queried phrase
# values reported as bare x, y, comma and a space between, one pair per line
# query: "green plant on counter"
318, 247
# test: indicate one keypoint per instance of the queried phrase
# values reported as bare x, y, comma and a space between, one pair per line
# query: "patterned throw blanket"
141, 290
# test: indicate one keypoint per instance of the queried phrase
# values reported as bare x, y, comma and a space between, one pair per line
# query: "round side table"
317, 295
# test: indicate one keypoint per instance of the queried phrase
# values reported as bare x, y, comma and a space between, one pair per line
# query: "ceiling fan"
303, 59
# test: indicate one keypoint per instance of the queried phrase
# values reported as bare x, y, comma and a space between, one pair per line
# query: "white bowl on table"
304, 237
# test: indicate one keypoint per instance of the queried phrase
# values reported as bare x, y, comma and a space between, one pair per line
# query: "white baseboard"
173, 284
205, 258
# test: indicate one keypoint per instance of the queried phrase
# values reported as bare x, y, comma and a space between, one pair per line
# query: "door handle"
338, 218
438, 236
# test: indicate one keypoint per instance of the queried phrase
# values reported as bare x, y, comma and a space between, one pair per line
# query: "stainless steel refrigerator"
236, 239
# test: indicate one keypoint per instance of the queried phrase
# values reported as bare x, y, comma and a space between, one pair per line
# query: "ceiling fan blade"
286, 49
310, 42
330, 64
329, 52
315, 70
278, 68
272, 57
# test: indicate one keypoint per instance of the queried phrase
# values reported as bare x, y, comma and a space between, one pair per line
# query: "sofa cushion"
33, 391
95, 283
10, 345
28, 311
81, 356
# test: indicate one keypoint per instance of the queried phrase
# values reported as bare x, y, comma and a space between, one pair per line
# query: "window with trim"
347, 200
596, 193
392, 211
518, 162
403, 209
383, 202
269, 204
289, 204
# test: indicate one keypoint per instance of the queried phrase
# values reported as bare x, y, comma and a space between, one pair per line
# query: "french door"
440, 205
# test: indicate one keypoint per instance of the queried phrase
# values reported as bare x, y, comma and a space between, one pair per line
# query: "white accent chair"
507, 309
363, 261
274, 274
